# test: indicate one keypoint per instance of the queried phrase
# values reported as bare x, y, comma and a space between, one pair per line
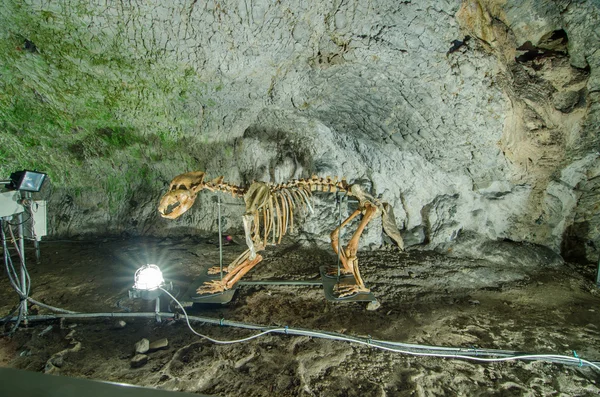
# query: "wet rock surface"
424, 297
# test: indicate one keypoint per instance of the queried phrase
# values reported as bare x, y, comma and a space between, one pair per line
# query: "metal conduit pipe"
54, 309
484, 355
283, 282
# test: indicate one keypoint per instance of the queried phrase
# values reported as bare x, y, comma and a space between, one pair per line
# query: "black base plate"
329, 282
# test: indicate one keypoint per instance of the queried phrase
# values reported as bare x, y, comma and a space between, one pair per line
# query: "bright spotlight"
148, 278
26, 181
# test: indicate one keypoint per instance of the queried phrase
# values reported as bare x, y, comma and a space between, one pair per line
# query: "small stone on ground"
139, 360
142, 346
159, 344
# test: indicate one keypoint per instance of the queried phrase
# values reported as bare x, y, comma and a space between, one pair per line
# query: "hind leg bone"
351, 261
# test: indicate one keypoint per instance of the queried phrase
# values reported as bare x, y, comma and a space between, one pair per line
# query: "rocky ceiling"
477, 120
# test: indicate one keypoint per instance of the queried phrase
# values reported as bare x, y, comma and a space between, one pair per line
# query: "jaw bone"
175, 203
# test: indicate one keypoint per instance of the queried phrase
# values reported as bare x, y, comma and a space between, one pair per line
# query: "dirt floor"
425, 298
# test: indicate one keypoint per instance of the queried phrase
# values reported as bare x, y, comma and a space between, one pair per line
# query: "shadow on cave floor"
426, 298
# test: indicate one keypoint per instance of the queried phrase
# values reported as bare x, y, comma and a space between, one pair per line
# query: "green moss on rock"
62, 79
83, 102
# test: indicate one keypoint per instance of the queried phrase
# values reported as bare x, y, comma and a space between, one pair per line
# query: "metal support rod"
339, 200
234, 204
24, 287
220, 237
281, 282
598, 274
36, 243
38, 252
157, 309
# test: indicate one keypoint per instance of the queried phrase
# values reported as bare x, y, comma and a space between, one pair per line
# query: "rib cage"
274, 207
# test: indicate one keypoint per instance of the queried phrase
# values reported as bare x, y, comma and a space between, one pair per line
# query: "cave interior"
453, 147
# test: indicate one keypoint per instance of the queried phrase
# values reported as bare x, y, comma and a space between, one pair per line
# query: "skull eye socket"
177, 187
171, 207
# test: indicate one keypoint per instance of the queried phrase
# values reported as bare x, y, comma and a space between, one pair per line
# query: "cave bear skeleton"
269, 215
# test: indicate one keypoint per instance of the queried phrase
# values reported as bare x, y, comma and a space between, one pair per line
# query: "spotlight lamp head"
26, 181
148, 278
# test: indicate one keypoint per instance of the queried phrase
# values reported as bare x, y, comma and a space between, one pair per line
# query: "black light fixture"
27, 181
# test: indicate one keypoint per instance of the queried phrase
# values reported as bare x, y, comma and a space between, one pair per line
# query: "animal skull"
181, 195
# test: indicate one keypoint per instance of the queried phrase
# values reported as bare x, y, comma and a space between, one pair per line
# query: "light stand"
24, 285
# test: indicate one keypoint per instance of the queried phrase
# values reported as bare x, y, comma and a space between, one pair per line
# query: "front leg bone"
216, 286
248, 218
232, 266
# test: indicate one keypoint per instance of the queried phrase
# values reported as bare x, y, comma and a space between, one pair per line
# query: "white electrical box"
9, 205
35, 226
38, 217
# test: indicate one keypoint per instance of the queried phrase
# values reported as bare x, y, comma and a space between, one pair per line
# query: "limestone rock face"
549, 72
477, 117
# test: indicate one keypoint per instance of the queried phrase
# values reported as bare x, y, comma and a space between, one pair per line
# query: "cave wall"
474, 119
549, 72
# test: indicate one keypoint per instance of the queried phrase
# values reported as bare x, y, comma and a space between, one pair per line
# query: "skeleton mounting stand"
328, 280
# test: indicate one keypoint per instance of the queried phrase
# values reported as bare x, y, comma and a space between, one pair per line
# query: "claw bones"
269, 215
